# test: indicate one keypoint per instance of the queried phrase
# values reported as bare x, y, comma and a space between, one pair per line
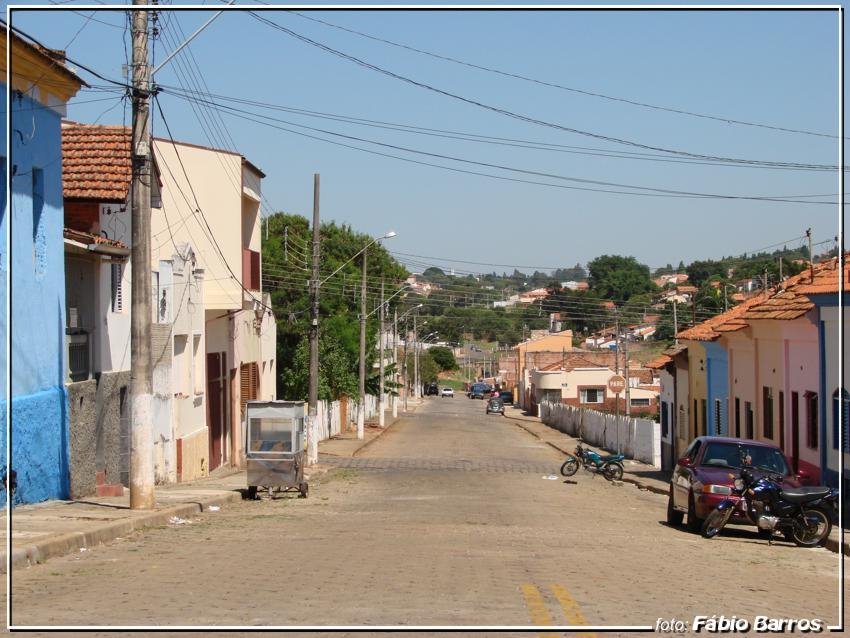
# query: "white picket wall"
638, 439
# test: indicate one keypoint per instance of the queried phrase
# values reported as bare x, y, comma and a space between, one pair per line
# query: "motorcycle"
610, 466
804, 515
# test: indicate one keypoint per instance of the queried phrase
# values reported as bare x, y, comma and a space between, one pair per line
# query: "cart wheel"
252, 492
302, 487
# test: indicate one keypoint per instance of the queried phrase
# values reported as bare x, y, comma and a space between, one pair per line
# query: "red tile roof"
659, 362
89, 238
728, 321
825, 281
95, 162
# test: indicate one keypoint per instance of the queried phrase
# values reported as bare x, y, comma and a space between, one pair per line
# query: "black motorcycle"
804, 515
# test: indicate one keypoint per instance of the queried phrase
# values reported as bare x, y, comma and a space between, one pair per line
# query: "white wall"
638, 439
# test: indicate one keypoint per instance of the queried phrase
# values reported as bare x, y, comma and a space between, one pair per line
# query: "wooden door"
216, 402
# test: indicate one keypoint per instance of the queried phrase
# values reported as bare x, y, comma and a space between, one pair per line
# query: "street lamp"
382, 308
404, 355
361, 412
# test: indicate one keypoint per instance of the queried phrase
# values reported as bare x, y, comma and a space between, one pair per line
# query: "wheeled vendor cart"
274, 447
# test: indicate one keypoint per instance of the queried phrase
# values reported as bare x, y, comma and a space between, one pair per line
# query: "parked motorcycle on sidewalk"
804, 515
609, 466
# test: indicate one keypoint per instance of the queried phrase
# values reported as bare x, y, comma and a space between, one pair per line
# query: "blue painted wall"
4, 273
39, 404
717, 379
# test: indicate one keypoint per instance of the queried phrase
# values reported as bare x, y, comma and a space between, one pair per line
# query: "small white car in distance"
447, 392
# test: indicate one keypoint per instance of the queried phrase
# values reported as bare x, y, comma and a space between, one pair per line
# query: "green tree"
336, 376
701, 271
443, 357
618, 278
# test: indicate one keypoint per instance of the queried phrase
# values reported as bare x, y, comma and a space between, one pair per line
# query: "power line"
645, 191
517, 76
513, 114
477, 138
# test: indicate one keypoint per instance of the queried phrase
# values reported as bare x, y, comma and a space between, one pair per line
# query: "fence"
333, 417
639, 439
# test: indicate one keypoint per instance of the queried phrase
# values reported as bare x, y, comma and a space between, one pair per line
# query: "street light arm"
357, 254
397, 292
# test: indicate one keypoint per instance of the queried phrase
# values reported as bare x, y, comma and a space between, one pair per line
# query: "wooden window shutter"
249, 383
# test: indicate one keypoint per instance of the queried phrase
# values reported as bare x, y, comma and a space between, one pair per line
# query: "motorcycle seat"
613, 457
804, 494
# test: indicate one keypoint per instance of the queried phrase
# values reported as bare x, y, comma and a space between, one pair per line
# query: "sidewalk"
645, 477
55, 528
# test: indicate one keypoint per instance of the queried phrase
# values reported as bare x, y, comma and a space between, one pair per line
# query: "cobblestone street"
451, 518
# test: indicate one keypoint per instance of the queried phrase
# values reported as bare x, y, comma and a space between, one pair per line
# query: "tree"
336, 376
618, 278
443, 357
701, 271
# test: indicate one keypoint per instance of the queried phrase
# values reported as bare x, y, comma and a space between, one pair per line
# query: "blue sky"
769, 67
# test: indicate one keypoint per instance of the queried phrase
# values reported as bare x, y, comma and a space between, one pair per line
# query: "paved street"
447, 519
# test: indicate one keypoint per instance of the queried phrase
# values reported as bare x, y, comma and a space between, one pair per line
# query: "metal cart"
274, 447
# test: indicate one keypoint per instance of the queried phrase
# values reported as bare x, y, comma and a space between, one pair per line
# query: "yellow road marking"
537, 608
571, 608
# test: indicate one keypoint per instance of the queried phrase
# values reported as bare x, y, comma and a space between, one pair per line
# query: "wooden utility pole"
381, 364
395, 364
811, 256
675, 324
313, 335
361, 412
141, 384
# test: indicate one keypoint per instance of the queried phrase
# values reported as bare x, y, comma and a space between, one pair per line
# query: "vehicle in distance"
507, 397
432, 389
495, 405
706, 474
447, 392
478, 390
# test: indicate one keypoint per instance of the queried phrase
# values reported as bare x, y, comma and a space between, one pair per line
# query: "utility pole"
313, 335
404, 365
675, 324
361, 412
811, 256
416, 394
626, 366
141, 383
395, 364
381, 364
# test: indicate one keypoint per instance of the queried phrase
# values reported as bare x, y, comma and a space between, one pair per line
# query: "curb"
39, 552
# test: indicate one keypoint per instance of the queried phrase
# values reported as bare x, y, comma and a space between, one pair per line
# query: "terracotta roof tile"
89, 238
95, 162
825, 280
728, 321
784, 305
659, 362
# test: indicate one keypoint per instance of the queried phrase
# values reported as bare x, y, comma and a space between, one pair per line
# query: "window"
811, 399
640, 402
117, 287
782, 421
198, 364
665, 420
737, 417
181, 379
767, 412
592, 395
841, 415
748, 412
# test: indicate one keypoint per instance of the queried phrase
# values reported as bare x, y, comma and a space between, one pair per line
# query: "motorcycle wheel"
810, 528
570, 466
715, 522
613, 471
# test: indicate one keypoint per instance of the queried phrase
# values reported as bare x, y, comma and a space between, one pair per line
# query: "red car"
705, 475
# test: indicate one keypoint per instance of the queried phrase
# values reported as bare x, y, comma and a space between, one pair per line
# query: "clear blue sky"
768, 67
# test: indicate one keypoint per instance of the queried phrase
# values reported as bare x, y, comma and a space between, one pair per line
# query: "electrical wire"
517, 76
645, 191
513, 114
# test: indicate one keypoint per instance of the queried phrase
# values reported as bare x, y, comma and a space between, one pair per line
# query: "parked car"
706, 474
507, 397
447, 392
495, 405
432, 389
478, 390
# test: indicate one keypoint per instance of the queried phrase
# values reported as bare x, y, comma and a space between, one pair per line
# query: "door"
795, 431
216, 402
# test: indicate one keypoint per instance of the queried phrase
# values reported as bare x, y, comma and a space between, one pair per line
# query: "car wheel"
694, 522
674, 516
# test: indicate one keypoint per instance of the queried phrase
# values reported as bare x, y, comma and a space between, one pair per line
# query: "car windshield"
737, 455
